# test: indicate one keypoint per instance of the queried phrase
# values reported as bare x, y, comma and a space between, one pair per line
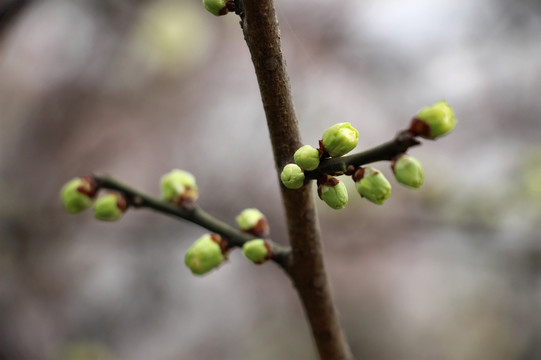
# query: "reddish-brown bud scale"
358, 174
419, 128
88, 187
261, 228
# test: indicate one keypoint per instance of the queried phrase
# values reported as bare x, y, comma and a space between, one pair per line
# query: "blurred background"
135, 88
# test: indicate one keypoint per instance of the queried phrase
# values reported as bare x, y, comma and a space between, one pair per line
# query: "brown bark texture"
307, 269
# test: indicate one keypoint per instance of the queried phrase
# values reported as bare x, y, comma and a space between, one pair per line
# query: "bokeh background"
136, 88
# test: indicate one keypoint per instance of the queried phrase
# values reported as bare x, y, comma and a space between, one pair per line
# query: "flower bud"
336, 196
292, 176
307, 157
372, 185
216, 7
179, 187
253, 221
257, 251
408, 171
77, 195
340, 139
205, 254
110, 207
433, 121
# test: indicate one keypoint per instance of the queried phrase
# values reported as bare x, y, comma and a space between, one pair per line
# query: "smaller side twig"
193, 214
386, 151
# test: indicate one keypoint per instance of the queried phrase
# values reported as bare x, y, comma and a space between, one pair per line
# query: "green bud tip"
333, 192
205, 254
253, 221
110, 207
218, 7
292, 176
408, 171
433, 121
340, 139
372, 184
307, 157
179, 187
77, 195
257, 251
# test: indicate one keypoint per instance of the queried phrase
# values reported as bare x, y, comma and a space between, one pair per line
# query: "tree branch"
262, 36
387, 151
194, 214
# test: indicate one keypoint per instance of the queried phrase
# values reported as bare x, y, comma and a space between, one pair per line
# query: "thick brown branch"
307, 268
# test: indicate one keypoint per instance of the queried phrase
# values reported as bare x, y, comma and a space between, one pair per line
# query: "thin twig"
192, 213
387, 151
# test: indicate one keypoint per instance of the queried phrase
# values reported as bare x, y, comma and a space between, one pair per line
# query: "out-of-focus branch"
194, 214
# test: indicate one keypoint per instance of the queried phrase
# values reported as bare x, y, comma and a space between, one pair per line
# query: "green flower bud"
179, 187
77, 195
257, 250
307, 157
205, 254
340, 139
434, 121
253, 221
110, 207
335, 196
292, 176
408, 171
372, 185
216, 7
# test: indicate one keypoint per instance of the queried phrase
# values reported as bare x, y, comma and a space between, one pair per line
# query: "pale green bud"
179, 187
256, 250
216, 7
307, 157
340, 139
335, 196
408, 171
292, 176
434, 121
110, 207
77, 195
253, 221
205, 254
373, 185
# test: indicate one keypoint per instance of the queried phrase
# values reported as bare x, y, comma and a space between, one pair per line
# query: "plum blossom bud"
110, 207
333, 192
292, 176
433, 121
340, 139
179, 187
205, 254
257, 250
307, 157
77, 195
216, 7
408, 171
254, 222
372, 184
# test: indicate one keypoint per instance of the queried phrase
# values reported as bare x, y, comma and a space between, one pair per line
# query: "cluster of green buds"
430, 122
206, 253
219, 7
179, 187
